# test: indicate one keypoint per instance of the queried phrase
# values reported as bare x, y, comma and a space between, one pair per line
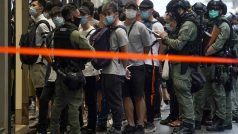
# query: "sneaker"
34, 115
166, 121
128, 129
113, 130
101, 128
33, 124
157, 117
165, 107
149, 127
140, 129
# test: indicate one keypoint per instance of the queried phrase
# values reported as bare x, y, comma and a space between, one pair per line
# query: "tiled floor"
161, 129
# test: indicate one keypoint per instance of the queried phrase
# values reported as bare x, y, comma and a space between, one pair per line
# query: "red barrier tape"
117, 55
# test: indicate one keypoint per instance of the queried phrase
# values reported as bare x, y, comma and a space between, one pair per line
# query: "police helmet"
199, 8
217, 5
184, 4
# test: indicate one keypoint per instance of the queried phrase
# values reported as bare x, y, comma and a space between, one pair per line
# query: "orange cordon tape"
111, 55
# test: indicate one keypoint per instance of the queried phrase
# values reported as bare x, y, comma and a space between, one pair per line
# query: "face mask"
144, 15
109, 20
46, 15
168, 27
84, 20
76, 21
213, 14
33, 11
58, 21
130, 13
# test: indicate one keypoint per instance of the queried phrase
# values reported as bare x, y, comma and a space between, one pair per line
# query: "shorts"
135, 86
37, 74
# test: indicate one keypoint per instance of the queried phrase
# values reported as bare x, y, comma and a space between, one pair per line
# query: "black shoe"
185, 128
139, 129
166, 121
228, 127
128, 129
101, 129
87, 130
235, 119
217, 125
149, 127
198, 125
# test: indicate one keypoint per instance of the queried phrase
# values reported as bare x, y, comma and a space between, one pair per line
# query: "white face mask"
130, 13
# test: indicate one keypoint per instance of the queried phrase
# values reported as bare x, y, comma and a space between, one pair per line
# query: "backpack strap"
44, 22
131, 28
90, 32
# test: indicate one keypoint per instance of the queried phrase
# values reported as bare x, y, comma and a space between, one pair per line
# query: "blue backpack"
100, 40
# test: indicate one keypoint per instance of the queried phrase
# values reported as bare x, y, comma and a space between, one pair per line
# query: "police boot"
206, 119
185, 128
217, 124
198, 125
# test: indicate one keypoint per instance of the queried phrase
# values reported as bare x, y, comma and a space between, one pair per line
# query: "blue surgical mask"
213, 14
33, 11
109, 20
84, 20
58, 21
144, 15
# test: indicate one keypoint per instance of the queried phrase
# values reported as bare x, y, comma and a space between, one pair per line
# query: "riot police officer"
181, 72
221, 100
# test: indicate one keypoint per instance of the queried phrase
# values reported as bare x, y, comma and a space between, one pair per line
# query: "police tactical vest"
62, 41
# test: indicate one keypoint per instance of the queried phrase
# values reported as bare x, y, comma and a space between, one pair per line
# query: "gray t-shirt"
117, 40
139, 38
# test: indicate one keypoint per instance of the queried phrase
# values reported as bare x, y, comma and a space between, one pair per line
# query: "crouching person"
70, 79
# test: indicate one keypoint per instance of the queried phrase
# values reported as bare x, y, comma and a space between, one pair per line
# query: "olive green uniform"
182, 82
221, 100
234, 91
66, 97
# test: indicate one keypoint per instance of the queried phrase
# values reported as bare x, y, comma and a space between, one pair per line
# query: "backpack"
100, 40
28, 40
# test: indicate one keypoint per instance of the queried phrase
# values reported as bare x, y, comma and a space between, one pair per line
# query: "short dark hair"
90, 6
111, 7
100, 9
41, 2
55, 11
67, 10
49, 5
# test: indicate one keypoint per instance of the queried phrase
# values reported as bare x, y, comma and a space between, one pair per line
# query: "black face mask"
76, 21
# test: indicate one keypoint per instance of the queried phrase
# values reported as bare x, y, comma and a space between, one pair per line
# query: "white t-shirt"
156, 27
89, 69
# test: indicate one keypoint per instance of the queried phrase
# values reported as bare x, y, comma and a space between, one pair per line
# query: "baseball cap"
131, 4
146, 4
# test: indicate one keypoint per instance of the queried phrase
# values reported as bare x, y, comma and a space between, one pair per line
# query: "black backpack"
28, 40
100, 41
